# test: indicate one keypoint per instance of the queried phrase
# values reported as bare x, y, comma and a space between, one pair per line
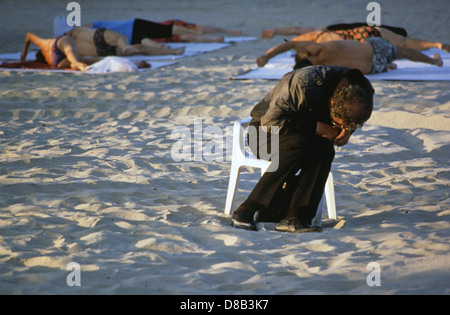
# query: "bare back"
348, 53
84, 38
318, 36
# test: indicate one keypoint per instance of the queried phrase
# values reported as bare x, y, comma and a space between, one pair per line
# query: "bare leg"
150, 48
206, 29
201, 29
446, 47
201, 39
151, 43
413, 43
140, 49
416, 55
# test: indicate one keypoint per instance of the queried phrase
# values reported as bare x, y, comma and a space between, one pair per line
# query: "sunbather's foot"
438, 60
269, 33
445, 47
143, 64
392, 66
236, 33
219, 39
179, 51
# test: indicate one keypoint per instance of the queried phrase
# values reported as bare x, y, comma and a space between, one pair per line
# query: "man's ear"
331, 103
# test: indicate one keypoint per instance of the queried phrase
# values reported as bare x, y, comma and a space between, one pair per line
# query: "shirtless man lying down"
374, 55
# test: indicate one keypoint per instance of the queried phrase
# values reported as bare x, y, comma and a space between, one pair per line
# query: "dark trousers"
299, 195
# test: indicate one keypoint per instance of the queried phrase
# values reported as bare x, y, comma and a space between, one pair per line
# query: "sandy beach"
87, 173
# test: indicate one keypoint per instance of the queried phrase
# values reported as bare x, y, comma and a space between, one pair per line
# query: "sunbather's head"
40, 57
301, 63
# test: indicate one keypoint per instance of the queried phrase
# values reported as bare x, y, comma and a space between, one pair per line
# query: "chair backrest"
240, 140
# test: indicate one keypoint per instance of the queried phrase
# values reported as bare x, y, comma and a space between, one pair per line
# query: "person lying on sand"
355, 31
72, 50
314, 108
58, 52
374, 55
139, 30
101, 42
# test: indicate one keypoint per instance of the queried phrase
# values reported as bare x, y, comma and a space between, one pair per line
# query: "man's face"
338, 122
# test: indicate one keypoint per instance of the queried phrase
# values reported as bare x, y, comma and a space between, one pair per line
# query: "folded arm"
30, 37
335, 134
68, 47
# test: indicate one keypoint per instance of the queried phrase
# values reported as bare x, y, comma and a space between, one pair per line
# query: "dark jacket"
302, 98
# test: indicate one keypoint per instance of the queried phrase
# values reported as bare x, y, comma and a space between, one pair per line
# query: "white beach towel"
406, 71
112, 64
191, 49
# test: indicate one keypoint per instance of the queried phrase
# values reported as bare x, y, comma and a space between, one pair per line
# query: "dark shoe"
307, 228
286, 225
241, 222
295, 226
243, 217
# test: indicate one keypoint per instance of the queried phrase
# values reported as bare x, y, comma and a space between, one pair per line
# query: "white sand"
86, 173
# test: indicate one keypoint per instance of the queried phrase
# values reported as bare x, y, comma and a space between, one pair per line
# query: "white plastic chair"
242, 156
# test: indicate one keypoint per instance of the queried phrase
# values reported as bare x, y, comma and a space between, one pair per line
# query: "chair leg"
329, 193
317, 220
232, 186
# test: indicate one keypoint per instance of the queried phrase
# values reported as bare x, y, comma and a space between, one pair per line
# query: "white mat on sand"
406, 71
154, 65
192, 49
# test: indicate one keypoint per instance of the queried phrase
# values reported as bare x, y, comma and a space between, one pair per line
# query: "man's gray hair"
353, 104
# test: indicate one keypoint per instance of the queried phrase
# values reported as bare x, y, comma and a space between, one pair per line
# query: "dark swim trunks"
152, 30
176, 37
383, 54
159, 32
57, 54
102, 47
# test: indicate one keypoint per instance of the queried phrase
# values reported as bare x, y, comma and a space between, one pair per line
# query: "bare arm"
301, 47
70, 50
264, 59
294, 30
30, 37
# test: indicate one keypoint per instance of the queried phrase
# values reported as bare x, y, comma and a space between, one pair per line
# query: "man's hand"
342, 138
335, 134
